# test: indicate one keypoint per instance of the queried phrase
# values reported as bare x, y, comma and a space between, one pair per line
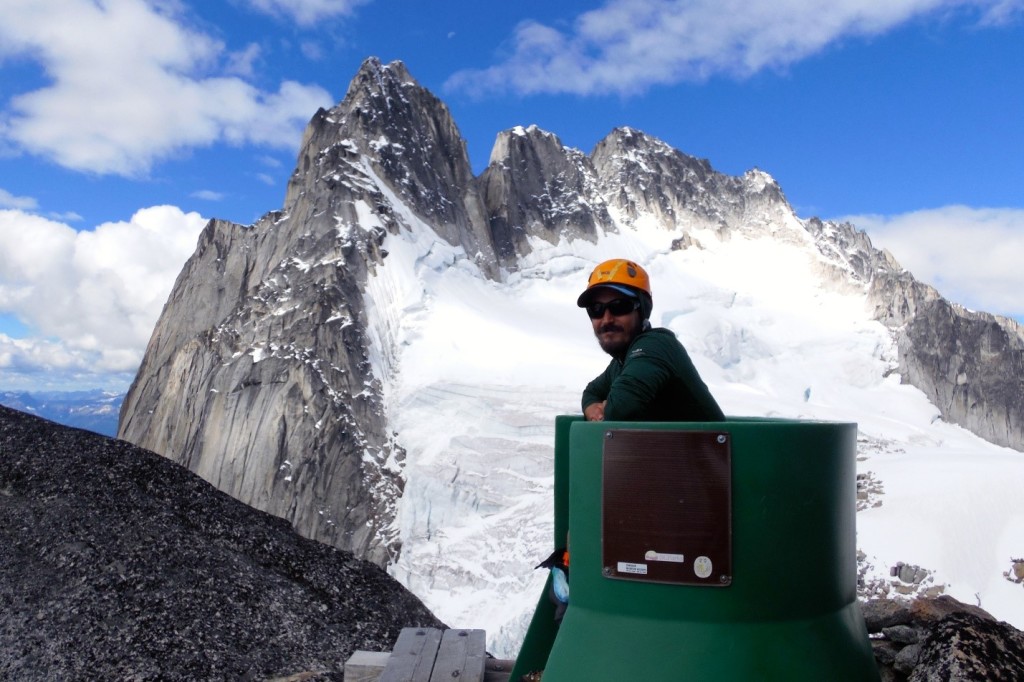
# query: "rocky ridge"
970, 364
117, 564
534, 187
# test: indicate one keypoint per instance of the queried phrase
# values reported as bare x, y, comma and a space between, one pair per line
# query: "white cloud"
307, 12
626, 46
243, 63
66, 217
208, 195
972, 256
311, 50
92, 298
131, 84
8, 200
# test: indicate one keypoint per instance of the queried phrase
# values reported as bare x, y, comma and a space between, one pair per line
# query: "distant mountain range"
93, 410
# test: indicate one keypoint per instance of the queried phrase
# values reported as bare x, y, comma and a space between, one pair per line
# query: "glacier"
475, 370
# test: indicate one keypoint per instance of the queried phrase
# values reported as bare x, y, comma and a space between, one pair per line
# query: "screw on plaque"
721, 438
725, 579
608, 434
607, 570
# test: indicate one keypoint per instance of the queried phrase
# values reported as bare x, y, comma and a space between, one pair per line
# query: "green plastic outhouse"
704, 551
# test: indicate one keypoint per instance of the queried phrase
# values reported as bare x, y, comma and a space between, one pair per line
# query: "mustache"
610, 327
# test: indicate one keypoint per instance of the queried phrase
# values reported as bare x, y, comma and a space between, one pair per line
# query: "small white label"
636, 569
702, 566
651, 555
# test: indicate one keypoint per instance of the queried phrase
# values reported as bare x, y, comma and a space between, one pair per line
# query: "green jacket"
656, 381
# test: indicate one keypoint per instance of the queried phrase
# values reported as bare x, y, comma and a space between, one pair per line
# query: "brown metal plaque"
667, 506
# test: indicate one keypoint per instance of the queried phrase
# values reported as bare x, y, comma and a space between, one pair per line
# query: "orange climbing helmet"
620, 274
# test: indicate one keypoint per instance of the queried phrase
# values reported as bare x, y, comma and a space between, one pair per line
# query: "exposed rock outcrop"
644, 178
117, 564
969, 364
257, 375
256, 378
536, 187
390, 141
941, 639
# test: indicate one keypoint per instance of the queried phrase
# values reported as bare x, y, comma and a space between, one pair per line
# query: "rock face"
535, 187
118, 564
257, 375
264, 374
941, 639
389, 144
969, 364
644, 178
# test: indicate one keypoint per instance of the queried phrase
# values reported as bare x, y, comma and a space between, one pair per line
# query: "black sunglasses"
617, 307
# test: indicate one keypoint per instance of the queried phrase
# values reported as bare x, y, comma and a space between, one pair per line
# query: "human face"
615, 332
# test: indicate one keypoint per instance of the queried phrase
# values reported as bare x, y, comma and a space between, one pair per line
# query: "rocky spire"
536, 187
643, 176
391, 137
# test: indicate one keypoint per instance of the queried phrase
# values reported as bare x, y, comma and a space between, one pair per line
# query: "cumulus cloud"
306, 12
627, 46
91, 298
972, 256
130, 83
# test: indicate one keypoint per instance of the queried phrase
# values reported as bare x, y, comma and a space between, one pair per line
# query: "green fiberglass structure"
704, 551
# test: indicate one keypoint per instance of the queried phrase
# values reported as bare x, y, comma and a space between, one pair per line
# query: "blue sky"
126, 124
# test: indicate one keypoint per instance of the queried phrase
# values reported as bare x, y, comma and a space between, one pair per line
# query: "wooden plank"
461, 656
413, 656
366, 666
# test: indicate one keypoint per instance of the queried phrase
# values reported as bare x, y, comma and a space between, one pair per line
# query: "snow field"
475, 372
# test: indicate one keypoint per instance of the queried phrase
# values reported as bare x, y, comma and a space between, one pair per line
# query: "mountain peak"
373, 71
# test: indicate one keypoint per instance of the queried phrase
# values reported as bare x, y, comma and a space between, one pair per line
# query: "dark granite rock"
885, 613
941, 639
117, 564
901, 634
964, 646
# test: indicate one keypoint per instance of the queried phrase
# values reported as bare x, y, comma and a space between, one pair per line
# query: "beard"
613, 339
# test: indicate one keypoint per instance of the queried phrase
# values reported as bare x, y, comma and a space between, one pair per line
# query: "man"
650, 376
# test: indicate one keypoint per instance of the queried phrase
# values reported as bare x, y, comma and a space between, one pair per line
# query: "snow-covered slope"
481, 369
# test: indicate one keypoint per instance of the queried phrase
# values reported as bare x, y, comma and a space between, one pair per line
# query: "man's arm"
653, 363
594, 396
634, 390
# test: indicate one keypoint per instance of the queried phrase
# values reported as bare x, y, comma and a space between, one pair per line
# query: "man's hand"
594, 412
